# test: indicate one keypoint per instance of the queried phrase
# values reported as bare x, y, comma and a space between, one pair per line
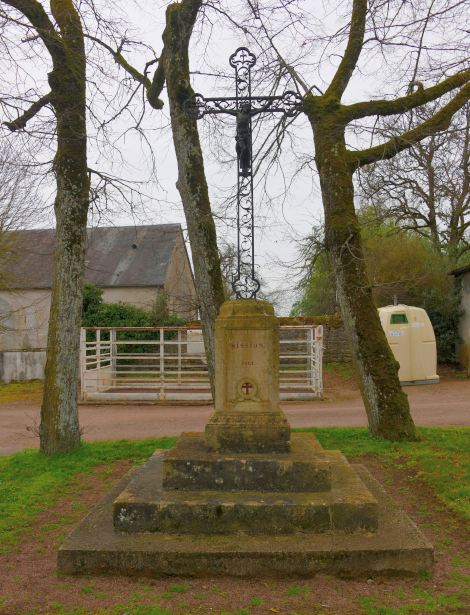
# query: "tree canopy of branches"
426, 188
424, 67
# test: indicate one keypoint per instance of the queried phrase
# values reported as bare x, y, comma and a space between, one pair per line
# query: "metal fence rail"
170, 363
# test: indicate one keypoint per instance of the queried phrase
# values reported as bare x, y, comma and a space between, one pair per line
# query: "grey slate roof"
110, 260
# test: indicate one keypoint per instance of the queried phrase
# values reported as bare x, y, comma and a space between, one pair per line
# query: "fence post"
113, 352
310, 362
98, 360
179, 357
162, 365
319, 355
83, 362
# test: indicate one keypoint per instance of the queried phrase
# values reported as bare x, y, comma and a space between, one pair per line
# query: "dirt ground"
434, 405
28, 575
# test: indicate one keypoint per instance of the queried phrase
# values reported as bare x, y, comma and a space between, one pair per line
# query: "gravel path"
439, 405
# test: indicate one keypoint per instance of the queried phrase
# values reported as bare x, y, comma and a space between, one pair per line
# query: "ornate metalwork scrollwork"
197, 106
244, 106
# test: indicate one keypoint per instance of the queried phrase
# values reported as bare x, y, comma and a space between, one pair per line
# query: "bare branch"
153, 88
406, 103
438, 122
353, 50
21, 122
38, 17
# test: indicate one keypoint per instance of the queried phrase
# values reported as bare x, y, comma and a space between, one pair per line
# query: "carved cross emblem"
247, 389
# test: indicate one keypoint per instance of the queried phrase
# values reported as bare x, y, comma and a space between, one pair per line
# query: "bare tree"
403, 45
173, 70
62, 37
426, 188
46, 104
386, 404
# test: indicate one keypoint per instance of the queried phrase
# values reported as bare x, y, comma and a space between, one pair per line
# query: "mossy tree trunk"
59, 428
386, 404
192, 185
173, 68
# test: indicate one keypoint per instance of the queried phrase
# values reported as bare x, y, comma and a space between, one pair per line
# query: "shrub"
97, 313
444, 311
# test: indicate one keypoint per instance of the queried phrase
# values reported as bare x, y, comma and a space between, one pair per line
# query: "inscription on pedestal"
248, 372
247, 417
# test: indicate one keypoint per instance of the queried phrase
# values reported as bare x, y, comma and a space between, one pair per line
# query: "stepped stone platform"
346, 505
188, 466
397, 547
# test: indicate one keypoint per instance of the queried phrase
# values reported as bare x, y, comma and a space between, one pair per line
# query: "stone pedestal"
247, 417
306, 491
247, 473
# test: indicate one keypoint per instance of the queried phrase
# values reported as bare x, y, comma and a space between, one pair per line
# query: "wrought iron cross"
244, 106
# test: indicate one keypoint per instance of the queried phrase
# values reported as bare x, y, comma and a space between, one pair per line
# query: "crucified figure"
243, 139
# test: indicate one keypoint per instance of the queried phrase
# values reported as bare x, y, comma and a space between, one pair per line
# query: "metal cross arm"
243, 107
290, 103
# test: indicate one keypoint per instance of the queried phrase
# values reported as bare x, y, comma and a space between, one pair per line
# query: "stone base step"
145, 507
231, 431
189, 467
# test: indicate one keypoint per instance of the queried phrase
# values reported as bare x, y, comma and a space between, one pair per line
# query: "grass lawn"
30, 390
43, 499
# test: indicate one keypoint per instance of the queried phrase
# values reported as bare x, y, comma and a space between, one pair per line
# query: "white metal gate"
169, 363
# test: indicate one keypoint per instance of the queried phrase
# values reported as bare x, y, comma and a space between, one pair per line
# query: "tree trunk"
173, 67
386, 404
59, 429
191, 182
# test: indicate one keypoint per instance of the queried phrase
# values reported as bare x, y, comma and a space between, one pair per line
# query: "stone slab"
228, 431
145, 507
188, 467
397, 548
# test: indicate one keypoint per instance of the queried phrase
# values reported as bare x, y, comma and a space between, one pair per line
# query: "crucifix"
244, 107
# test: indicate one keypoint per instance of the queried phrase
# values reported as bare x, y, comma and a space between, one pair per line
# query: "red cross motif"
247, 386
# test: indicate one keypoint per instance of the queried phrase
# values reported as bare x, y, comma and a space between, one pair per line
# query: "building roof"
460, 270
115, 256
